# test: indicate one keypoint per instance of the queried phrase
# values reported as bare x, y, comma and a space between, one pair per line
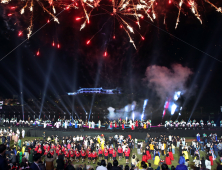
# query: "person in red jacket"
111, 125
51, 151
123, 125
77, 156
89, 157
59, 153
110, 153
88, 149
63, 149
144, 157
136, 124
83, 154
72, 155
66, 153
120, 152
94, 155
168, 160
52, 146
114, 154
106, 153
171, 155
127, 153
36, 148
57, 150
46, 152
100, 152
39, 151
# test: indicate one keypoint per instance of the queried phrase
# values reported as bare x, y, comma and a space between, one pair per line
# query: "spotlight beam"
46, 84
203, 86
96, 83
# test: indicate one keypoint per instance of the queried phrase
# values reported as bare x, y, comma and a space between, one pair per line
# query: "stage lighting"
173, 109
177, 95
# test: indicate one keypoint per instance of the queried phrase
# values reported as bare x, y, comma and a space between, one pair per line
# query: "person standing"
37, 159
120, 152
3, 162
126, 154
23, 133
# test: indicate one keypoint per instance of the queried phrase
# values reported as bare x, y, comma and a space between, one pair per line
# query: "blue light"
177, 95
173, 109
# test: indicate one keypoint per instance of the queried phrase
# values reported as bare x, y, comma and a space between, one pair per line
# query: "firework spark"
125, 12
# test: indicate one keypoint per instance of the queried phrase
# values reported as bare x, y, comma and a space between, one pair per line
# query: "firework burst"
124, 12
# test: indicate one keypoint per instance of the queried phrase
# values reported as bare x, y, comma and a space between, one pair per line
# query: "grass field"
122, 162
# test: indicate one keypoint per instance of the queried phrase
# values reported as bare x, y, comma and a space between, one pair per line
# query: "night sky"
75, 64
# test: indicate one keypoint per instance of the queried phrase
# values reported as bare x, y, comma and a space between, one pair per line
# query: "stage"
137, 133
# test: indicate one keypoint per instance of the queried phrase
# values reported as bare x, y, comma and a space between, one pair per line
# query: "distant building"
95, 90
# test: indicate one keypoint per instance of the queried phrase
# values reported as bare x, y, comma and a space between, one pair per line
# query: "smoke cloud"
167, 81
122, 113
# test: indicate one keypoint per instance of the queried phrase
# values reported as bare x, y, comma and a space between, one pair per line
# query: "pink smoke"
166, 81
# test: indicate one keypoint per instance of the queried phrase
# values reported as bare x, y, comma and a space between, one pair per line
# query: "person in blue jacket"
182, 159
181, 162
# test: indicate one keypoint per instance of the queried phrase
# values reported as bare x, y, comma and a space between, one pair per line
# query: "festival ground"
122, 162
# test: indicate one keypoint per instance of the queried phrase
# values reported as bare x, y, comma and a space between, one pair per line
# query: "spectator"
133, 160
69, 166
149, 168
102, 166
163, 167
49, 161
115, 165
208, 163
41, 165
37, 158
109, 166
144, 166
219, 146
13, 156
140, 164
24, 166
216, 150
219, 167
60, 163
197, 163
181, 167
126, 167
31, 156
24, 160
203, 163
173, 167
3, 162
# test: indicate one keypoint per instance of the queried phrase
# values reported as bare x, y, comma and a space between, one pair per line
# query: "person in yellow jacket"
186, 156
102, 144
98, 139
156, 159
144, 125
140, 164
23, 147
151, 147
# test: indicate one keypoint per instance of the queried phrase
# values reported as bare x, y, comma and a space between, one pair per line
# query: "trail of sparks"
119, 11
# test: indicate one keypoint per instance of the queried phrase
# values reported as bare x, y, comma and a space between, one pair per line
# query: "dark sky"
75, 64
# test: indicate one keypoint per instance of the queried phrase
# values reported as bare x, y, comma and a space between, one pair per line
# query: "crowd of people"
190, 123
64, 152
79, 123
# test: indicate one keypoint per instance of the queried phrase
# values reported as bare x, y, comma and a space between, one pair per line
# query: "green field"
122, 162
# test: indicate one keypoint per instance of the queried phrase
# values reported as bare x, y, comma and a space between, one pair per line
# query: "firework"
125, 12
